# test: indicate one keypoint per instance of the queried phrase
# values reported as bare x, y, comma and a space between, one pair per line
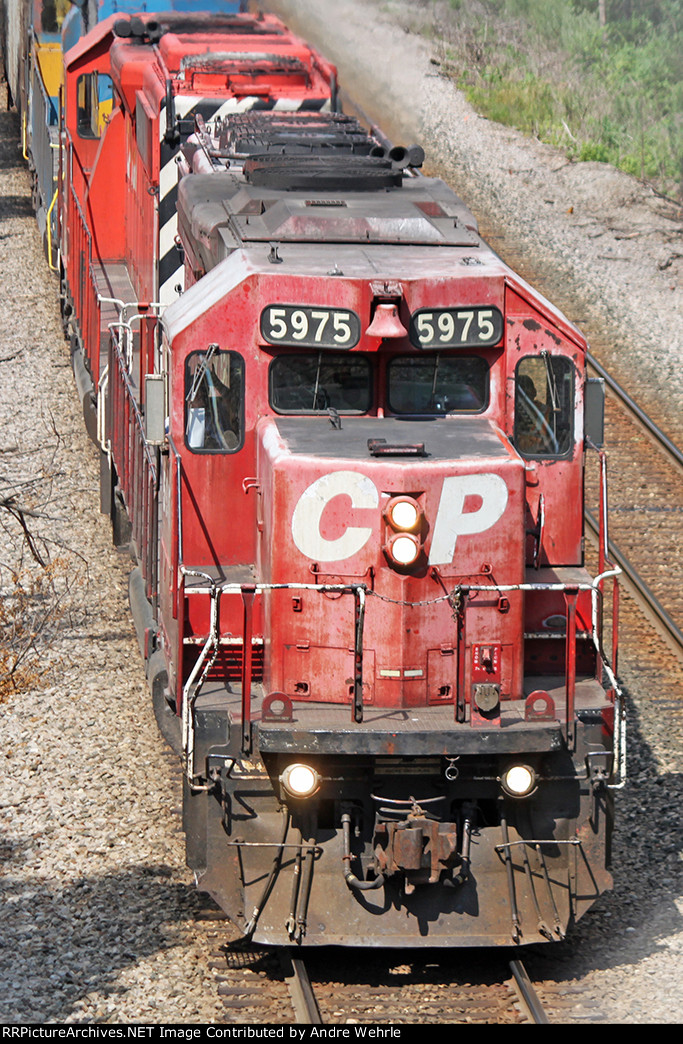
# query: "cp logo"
451, 520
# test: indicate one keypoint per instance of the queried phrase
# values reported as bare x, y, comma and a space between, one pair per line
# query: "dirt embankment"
603, 246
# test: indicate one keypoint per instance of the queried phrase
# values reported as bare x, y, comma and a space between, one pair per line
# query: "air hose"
350, 878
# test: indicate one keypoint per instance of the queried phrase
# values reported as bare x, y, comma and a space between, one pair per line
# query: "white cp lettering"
309, 510
452, 521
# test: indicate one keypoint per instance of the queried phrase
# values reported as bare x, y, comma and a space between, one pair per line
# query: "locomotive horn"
401, 157
398, 155
155, 31
386, 322
416, 155
137, 26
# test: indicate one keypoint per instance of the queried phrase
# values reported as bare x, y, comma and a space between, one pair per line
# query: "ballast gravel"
97, 921
98, 910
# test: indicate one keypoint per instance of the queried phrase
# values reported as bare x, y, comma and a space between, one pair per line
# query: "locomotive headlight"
404, 549
403, 513
300, 781
518, 781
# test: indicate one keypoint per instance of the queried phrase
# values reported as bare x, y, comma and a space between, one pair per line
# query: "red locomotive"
133, 87
352, 467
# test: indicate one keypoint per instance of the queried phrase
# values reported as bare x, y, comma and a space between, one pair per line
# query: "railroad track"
649, 604
637, 414
301, 991
283, 986
632, 579
528, 996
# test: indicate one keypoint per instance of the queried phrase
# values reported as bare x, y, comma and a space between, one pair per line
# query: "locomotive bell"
386, 323
487, 697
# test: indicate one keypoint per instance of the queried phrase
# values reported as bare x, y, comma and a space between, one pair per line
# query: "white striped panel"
168, 174
167, 292
185, 103
167, 236
168, 178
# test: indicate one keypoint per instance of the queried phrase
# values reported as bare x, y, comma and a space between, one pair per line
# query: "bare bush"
41, 576
34, 606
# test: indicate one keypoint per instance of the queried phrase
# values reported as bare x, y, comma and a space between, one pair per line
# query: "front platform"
327, 728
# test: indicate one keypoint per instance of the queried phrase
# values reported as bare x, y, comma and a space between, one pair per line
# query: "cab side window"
214, 401
95, 98
544, 406
52, 14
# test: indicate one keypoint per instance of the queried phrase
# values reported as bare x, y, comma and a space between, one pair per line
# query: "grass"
609, 92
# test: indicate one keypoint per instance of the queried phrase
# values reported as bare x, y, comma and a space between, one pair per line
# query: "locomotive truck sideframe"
346, 445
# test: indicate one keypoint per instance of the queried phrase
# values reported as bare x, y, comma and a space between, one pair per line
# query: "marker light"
403, 548
300, 781
403, 513
519, 781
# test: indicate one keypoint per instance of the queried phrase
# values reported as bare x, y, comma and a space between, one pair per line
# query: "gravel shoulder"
97, 905
98, 908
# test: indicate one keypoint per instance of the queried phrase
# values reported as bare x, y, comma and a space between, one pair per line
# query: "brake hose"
350, 878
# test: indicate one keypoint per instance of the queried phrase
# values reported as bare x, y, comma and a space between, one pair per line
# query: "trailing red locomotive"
348, 452
133, 87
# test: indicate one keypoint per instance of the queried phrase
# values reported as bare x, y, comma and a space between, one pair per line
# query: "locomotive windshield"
314, 383
437, 384
424, 385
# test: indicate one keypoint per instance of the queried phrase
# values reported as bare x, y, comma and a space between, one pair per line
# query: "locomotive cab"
386, 661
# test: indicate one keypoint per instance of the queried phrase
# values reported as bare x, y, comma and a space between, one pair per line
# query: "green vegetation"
603, 79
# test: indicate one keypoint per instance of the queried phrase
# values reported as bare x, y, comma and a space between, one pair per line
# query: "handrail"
137, 415
81, 214
215, 589
178, 542
609, 566
26, 60
207, 656
200, 670
53, 268
136, 464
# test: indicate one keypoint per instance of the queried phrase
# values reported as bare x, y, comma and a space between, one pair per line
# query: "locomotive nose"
348, 509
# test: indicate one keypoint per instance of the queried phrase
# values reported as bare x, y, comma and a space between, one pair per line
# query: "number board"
310, 326
475, 327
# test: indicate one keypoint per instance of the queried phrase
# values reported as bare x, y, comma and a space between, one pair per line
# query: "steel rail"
527, 995
637, 587
662, 440
634, 583
300, 990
